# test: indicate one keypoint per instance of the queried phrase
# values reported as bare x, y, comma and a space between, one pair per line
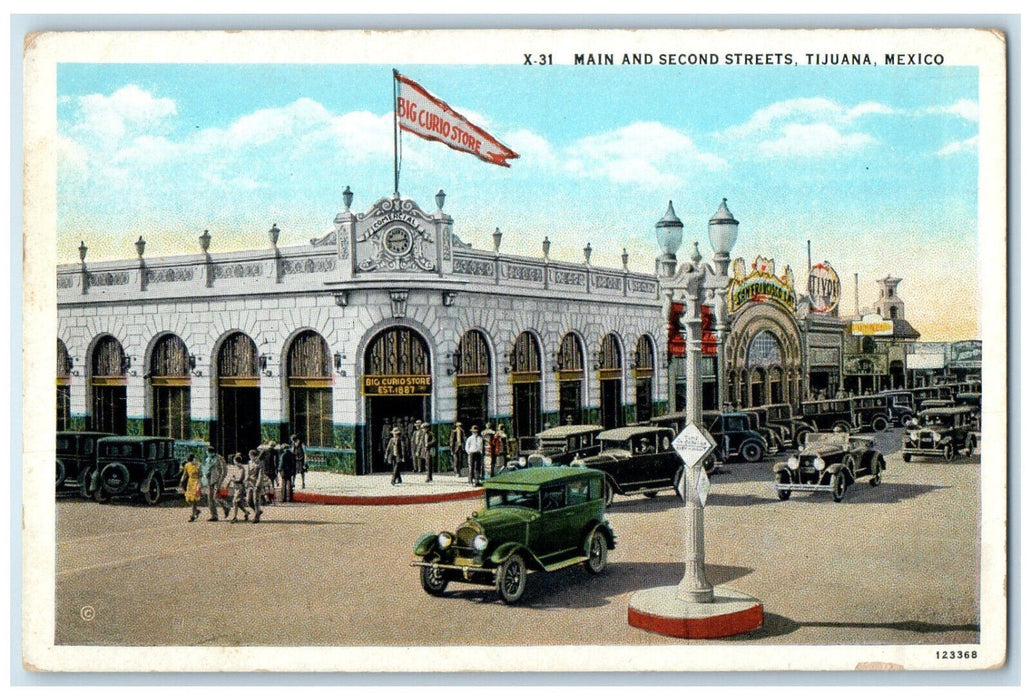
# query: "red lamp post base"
659, 610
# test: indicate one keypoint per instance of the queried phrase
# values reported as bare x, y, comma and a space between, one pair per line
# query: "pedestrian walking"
416, 443
297, 445
287, 472
395, 455
256, 483
212, 474
501, 437
269, 461
474, 450
238, 486
427, 450
494, 450
190, 481
456, 446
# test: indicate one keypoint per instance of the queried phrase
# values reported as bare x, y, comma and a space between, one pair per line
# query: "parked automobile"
901, 405
829, 462
76, 455
560, 446
871, 412
734, 436
781, 414
923, 394
539, 519
941, 432
131, 466
637, 459
777, 436
829, 414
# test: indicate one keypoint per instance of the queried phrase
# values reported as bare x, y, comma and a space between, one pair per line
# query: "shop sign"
966, 353
824, 288
760, 285
925, 360
396, 384
872, 324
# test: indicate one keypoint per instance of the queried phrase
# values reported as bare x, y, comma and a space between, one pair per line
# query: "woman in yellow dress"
190, 482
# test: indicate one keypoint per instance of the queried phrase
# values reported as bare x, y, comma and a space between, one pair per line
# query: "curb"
414, 499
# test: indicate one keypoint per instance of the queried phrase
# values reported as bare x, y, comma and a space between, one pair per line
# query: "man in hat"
395, 455
257, 482
238, 486
212, 474
474, 450
287, 472
456, 445
428, 450
415, 440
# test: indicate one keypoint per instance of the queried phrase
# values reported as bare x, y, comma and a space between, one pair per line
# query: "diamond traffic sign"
694, 444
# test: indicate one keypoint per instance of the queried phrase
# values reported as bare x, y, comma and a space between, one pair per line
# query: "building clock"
397, 241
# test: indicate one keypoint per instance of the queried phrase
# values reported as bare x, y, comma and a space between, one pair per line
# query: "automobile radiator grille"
465, 535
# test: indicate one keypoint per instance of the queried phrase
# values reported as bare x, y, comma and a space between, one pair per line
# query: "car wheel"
60, 473
434, 580
100, 495
511, 581
783, 478
709, 466
151, 490
878, 467
751, 452
597, 553
948, 452
906, 457
843, 426
838, 487
117, 472
879, 424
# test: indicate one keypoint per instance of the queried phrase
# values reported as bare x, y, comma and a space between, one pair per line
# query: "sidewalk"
329, 488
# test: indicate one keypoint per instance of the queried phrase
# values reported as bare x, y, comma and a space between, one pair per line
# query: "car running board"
564, 563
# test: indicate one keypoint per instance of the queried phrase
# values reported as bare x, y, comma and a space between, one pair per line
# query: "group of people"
417, 448
248, 484
476, 450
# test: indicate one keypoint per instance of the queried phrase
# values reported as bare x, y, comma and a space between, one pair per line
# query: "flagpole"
397, 169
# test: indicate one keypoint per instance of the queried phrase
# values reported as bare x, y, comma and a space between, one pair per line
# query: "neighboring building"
876, 355
936, 363
387, 319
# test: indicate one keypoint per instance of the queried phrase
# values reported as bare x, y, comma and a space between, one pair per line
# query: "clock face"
397, 241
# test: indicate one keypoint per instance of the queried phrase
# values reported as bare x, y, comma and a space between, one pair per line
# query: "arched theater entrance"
238, 424
397, 387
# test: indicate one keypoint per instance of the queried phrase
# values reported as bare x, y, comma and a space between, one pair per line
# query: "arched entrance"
610, 379
64, 397
169, 379
397, 387
570, 379
472, 379
526, 387
763, 353
238, 425
108, 365
644, 371
309, 383
764, 356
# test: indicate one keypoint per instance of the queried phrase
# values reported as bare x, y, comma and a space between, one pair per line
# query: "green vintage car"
539, 518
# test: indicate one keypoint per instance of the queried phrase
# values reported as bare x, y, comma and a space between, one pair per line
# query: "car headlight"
935, 436
479, 543
819, 464
522, 461
444, 540
793, 463
913, 436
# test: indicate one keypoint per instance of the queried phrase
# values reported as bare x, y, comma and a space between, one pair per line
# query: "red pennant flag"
421, 113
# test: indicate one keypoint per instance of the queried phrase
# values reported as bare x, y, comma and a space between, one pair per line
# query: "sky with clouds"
876, 166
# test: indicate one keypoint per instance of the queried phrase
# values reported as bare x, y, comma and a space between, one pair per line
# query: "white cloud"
956, 147
128, 110
644, 153
814, 140
964, 109
811, 126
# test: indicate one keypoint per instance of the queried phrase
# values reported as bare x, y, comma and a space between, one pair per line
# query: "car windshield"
551, 445
615, 445
779, 412
816, 439
515, 499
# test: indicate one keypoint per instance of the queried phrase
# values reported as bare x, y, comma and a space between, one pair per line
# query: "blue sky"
876, 165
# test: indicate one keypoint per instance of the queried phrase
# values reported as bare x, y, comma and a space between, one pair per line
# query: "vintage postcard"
466, 350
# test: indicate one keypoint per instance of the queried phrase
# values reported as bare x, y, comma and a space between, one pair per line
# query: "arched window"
108, 365
526, 387
764, 351
570, 367
310, 386
238, 427
610, 379
397, 350
644, 371
64, 370
472, 380
169, 378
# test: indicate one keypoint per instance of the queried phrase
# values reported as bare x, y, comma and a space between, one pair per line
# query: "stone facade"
392, 266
